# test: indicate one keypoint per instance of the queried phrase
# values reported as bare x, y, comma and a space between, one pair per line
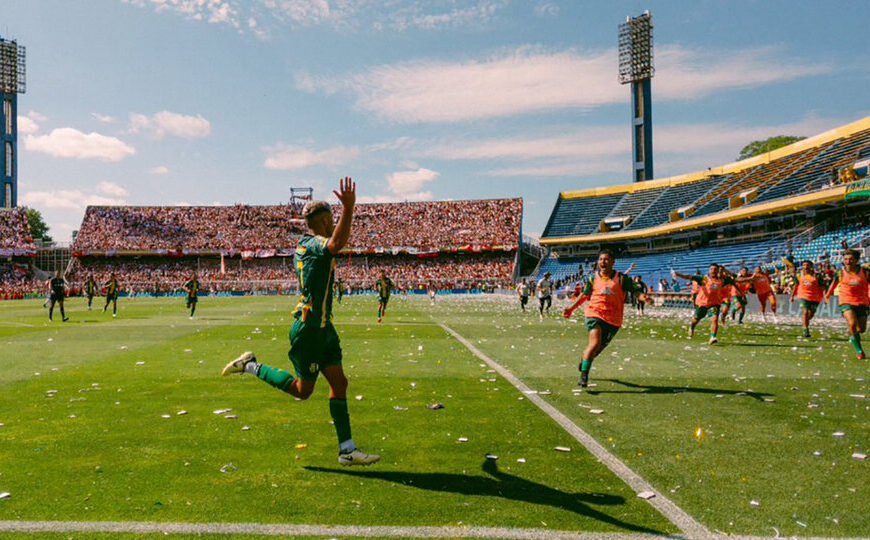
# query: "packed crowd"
427, 225
188, 227
166, 274
14, 231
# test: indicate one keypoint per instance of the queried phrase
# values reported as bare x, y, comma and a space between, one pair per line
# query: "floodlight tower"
11, 84
636, 67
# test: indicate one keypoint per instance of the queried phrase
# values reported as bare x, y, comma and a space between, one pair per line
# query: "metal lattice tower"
12, 83
636, 67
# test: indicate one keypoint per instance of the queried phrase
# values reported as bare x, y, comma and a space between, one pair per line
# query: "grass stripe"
676, 515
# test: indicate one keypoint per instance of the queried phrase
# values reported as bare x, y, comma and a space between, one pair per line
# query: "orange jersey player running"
761, 282
854, 282
738, 293
810, 293
606, 290
708, 298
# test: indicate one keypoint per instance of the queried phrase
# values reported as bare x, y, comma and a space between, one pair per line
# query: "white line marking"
690, 527
279, 529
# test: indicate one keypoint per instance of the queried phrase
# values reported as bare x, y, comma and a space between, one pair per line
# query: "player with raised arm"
56, 287
112, 290
192, 288
384, 286
854, 282
314, 344
606, 290
707, 299
764, 292
810, 293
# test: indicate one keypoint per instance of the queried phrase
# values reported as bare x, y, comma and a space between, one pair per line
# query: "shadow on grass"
504, 485
654, 389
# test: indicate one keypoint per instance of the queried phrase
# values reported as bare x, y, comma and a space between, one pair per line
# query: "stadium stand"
580, 216
671, 199
449, 244
17, 250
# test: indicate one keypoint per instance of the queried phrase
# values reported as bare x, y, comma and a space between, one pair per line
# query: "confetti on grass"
562, 449
5, 495
646, 495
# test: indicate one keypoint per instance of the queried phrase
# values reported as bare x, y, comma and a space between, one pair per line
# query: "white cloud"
67, 199
592, 141
283, 157
160, 169
37, 117
111, 188
104, 118
72, 143
212, 11
547, 9
405, 182
165, 122
566, 168
27, 126
530, 79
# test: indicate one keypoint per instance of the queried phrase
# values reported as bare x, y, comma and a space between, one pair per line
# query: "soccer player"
605, 290
544, 292
854, 282
738, 293
707, 299
638, 303
727, 294
761, 282
192, 288
90, 289
384, 286
112, 289
56, 287
338, 289
810, 293
314, 344
523, 293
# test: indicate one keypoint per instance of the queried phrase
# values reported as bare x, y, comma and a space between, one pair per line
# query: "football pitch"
124, 428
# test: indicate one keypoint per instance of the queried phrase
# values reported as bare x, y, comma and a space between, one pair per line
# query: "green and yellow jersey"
91, 287
112, 287
384, 286
192, 286
315, 269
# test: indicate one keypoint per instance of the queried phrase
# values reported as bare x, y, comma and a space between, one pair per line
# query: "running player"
523, 293
90, 289
314, 344
606, 290
761, 282
191, 287
112, 289
56, 294
810, 293
544, 292
738, 293
727, 293
707, 299
384, 286
854, 282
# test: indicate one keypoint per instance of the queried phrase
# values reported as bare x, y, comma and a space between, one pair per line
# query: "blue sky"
227, 101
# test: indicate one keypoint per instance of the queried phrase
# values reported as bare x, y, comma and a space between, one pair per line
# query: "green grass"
99, 449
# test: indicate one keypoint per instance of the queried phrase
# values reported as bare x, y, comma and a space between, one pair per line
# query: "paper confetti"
5, 495
646, 495
491, 457
221, 411
562, 449
858, 455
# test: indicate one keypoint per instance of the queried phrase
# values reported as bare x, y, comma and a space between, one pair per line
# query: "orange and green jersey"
607, 296
740, 289
315, 269
853, 287
762, 284
809, 288
710, 290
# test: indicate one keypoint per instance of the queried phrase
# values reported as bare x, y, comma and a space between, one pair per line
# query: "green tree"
38, 227
772, 143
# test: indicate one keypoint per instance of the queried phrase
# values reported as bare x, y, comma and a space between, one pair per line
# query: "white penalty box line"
676, 515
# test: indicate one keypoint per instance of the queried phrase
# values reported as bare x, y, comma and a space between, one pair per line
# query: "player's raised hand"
567, 313
347, 193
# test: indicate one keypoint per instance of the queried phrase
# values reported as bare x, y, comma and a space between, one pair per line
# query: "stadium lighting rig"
12, 83
636, 67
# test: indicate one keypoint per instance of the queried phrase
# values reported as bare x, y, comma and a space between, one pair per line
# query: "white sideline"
279, 529
687, 524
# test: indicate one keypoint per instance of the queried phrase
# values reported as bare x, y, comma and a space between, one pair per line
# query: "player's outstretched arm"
680, 275
833, 287
347, 196
570, 310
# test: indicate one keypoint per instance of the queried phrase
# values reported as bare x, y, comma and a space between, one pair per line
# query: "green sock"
712, 334
341, 418
278, 378
855, 340
585, 365
742, 313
